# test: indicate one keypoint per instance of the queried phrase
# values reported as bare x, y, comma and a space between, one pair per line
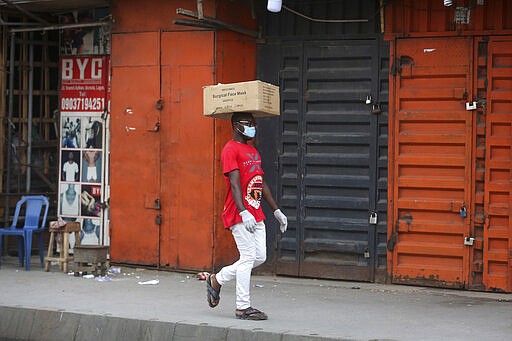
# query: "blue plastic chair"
35, 207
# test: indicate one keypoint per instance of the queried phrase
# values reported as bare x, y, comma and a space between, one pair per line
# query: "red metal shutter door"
431, 161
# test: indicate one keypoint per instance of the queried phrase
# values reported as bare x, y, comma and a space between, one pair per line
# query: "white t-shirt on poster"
70, 169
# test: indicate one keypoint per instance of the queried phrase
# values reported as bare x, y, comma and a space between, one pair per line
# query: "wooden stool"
64, 256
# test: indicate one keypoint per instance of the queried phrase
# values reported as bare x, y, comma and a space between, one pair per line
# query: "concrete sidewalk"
38, 305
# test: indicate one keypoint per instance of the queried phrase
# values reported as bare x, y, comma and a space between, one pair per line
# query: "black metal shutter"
333, 158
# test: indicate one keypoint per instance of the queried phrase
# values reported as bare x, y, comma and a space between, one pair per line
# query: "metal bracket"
159, 104
216, 22
156, 204
471, 105
469, 241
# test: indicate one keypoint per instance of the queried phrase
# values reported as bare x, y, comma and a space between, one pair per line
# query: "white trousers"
253, 252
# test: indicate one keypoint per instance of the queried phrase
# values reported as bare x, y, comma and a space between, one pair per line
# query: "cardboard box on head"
257, 97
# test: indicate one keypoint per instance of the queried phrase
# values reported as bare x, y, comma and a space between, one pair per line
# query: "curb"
20, 323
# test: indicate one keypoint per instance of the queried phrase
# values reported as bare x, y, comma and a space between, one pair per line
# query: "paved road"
34, 304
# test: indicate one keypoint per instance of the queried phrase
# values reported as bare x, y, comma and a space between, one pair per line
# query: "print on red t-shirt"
247, 160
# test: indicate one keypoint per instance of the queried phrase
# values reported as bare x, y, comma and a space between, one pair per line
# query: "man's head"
71, 157
244, 124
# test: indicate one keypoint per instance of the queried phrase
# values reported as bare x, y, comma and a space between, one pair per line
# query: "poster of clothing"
85, 40
90, 200
92, 136
70, 165
83, 113
69, 200
70, 132
91, 166
91, 232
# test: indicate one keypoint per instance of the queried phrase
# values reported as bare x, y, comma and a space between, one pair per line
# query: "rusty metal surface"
431, 17
431, 161
55, 6
187, 151
167, 184
288, 24
135, 149
497, 267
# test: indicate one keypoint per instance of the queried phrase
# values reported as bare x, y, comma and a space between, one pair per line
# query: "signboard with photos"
83, 159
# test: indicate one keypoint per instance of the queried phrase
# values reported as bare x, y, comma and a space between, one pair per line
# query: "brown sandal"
251, 314
212, 295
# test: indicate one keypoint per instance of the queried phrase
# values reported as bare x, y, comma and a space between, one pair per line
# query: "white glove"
248, 220
281, 218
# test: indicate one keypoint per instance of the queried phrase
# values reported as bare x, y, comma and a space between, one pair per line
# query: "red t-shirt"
247, 160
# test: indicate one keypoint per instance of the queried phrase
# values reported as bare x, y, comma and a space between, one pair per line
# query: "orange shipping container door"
497, 273
431, 164
135, 149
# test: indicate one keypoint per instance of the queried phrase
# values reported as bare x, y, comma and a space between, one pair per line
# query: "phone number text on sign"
82, 104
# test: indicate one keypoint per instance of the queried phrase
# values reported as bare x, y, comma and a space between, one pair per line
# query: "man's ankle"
215, 284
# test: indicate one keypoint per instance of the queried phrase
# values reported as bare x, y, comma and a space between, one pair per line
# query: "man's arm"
236, 190
267, 195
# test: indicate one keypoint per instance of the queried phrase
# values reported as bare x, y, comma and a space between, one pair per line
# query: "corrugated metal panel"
290, 189
497, 273
431, 17
431, 161
286, 23
382, 87
329, 160
478, 150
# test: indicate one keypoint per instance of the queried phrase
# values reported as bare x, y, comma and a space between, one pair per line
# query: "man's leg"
228, 272
260, 238
241, 269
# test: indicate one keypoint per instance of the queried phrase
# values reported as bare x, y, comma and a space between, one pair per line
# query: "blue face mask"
249, 131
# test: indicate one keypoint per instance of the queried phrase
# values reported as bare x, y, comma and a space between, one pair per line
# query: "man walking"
243, 215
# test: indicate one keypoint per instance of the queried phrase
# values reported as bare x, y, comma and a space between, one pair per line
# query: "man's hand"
248, 220
281, 218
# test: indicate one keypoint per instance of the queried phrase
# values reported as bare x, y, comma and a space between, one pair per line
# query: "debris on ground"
202, 276
150, 282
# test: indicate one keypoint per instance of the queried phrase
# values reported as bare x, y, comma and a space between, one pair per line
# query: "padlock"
463, 212
366, 253
373, 218
376, 109
369, 99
